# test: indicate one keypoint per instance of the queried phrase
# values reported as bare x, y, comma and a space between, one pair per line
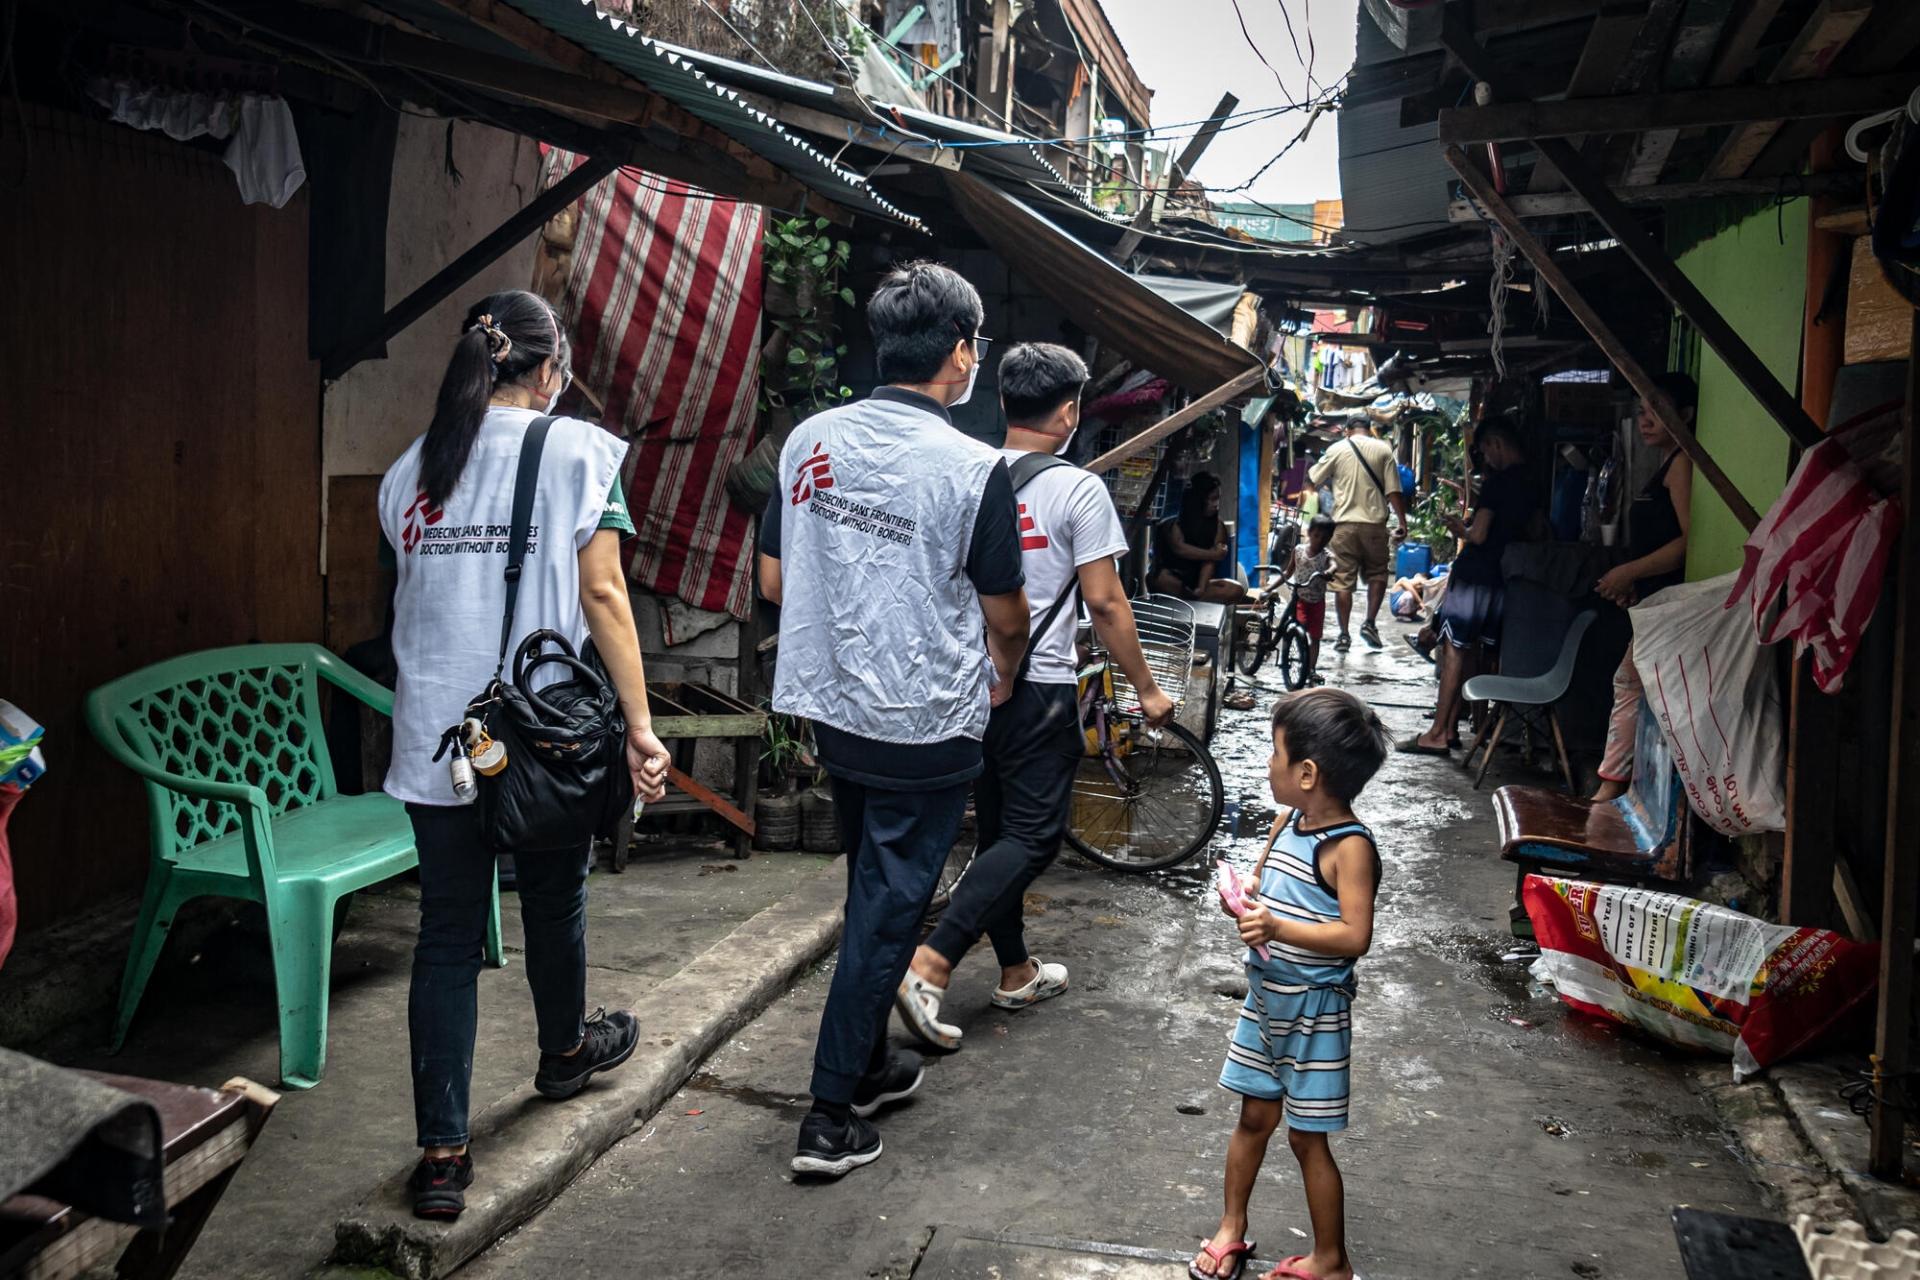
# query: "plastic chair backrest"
1533, 624
1560, 678
248, 714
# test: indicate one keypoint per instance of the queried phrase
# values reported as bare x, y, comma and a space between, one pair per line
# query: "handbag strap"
525, 483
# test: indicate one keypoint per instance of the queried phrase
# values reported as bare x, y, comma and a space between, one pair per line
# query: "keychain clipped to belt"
473, 752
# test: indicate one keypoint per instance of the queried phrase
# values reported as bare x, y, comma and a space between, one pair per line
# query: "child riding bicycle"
1308, 572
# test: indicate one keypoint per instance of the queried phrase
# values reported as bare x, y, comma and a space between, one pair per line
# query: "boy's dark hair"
1321, 524
1036, 378
1504, 428
1338, 732
920, 312
1682, 390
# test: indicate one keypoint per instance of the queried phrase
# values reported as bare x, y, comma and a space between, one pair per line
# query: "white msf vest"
881, 632
451, 592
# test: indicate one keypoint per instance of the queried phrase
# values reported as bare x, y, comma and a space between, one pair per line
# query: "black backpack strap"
1029, 465
526, 482
1023, 472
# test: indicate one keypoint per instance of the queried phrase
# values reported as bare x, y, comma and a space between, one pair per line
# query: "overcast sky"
1190, 51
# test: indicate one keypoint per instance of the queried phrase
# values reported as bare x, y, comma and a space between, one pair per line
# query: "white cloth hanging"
265, 152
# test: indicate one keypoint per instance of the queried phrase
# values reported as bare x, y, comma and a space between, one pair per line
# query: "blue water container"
1414, 557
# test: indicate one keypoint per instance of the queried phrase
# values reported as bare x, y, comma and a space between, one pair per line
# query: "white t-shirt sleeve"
1097, 531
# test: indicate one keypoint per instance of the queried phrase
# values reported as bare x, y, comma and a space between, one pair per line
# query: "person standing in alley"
1069, 536
508, 367
891, 544
1366, 486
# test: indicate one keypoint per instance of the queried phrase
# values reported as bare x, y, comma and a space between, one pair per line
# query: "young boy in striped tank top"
1311, 907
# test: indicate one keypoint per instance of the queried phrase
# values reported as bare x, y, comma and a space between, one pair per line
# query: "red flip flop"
1291, 1269
1236, 1253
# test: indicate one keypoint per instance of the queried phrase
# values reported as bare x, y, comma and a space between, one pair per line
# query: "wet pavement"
1494, 1133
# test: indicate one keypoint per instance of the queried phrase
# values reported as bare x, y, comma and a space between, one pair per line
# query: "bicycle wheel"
1294, 648
959, 858
1258, 645
1150, 801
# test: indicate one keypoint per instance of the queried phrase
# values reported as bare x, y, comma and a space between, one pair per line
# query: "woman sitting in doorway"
1187, 548
1657, 530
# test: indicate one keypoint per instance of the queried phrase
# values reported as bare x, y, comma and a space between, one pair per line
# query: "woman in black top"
1657, 529
1186, 548
1469, 616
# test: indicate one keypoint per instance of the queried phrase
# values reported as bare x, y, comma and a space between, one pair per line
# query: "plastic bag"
1712, 690
1694, 974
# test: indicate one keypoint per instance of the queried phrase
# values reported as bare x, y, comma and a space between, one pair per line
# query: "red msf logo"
815, 473
421, 510
1031, 539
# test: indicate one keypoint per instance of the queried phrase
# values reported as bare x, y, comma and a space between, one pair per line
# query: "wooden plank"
443, 282
1807, 861
1853, 905
711, 799
671, 726
1688, 60
1894, 1024
1608, 40
1160, 430
1889, 38
1820, 41
1653, 259
1556, 204
1743, 40
1823, 99
1189, 157
1481, 186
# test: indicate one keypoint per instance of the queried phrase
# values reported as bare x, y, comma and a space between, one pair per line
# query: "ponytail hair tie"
499, 345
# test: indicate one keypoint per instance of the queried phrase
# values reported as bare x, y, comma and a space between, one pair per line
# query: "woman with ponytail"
446, 507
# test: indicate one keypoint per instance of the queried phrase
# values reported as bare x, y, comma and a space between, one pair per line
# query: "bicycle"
1284, 632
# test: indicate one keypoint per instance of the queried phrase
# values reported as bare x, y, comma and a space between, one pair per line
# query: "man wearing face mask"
890, 543
1069, 536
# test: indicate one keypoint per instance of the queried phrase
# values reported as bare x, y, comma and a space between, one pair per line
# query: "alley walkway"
1494, 1134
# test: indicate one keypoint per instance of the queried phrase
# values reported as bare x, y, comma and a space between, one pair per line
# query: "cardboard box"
1879, 321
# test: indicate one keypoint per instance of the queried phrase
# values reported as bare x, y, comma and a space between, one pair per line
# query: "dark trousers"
1021, 804
456, 892
896, 843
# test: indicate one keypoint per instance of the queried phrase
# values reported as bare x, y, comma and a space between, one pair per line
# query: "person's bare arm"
1617, 583
1475, 532
1007, 625
609, 613
770, 579
1349, 869
1113, 623
1398, 501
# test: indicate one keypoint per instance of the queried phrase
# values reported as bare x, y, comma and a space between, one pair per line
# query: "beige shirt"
1356, 499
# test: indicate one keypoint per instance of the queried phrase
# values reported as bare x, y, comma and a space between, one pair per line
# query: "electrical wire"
1248, 37
1306, 63
739, 35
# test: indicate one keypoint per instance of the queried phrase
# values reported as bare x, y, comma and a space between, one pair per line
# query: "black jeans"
1021, 804
456, 893
896, 843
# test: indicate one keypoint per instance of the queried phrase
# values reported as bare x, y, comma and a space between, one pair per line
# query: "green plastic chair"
243, 804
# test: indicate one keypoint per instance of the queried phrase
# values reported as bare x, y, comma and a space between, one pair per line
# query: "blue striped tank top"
1292, 888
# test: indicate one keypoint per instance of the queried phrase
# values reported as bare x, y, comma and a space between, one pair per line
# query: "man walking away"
1069, 536
888, 539
1366, 482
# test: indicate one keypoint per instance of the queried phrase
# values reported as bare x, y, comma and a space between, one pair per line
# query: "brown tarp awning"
1097, 295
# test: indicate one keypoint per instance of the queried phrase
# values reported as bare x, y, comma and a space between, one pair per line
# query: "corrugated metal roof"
675, 76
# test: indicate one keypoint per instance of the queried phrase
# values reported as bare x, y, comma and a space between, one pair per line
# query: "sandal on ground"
1228, 1261
1294, 1268
1415, 747
919, 1004
1049, 981
1241, 701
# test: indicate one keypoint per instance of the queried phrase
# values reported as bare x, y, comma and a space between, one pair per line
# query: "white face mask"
973, 376
1066, 442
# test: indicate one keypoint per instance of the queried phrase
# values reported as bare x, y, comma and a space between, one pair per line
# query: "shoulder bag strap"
1023, 471
1366, 466
526, 482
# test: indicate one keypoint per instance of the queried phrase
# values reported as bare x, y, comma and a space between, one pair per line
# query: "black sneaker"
1342, 643
1371, 634
1422, 643
609, 1042
439, 1187
896, 1082
829, 1149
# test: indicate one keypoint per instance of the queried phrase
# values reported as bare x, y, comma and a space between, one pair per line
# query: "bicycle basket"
1166, 631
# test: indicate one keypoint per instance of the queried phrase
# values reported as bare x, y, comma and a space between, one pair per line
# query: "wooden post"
1189, 156
1666, 275
1160, 430
1887, 1152
1663, 407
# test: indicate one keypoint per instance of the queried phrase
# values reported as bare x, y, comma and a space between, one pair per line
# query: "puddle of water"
793, 1108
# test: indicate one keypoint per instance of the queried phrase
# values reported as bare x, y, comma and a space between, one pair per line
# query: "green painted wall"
1754, 273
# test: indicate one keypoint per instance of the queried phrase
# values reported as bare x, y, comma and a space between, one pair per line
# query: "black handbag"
565, 780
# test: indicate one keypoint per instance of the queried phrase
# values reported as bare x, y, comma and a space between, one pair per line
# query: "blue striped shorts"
1293, 1043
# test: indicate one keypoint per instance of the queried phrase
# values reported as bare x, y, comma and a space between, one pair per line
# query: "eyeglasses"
980, 344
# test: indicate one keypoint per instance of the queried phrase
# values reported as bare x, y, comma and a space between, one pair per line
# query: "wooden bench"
243, 804
1644, 835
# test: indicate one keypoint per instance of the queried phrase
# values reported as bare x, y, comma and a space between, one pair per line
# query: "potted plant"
786, 759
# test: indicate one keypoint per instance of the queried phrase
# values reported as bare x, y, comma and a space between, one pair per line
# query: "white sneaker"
919, 1004
1048, 982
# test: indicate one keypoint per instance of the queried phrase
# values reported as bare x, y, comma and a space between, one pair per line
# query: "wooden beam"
1561, 203
1688, 59
712, 800
1524, 121
1820, 41
1189, 156
1477, 182
1652, 258
1886, 1152
1239, 386
1743, 40
1608, 40
1889, 38
469, 264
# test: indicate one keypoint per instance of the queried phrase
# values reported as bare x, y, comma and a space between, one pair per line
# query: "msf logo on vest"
815, 473
410, 530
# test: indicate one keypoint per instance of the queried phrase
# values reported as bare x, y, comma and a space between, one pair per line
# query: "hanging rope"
1497, 288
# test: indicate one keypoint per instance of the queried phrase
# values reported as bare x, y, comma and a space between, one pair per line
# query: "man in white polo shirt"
1069, 536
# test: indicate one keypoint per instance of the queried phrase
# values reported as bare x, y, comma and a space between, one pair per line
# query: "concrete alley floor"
1494, 1133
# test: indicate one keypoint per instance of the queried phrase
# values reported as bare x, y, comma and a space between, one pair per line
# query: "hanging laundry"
1823, 547
265, 152
181, 116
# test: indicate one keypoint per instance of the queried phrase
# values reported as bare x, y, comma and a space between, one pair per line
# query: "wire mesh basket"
1166, 631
